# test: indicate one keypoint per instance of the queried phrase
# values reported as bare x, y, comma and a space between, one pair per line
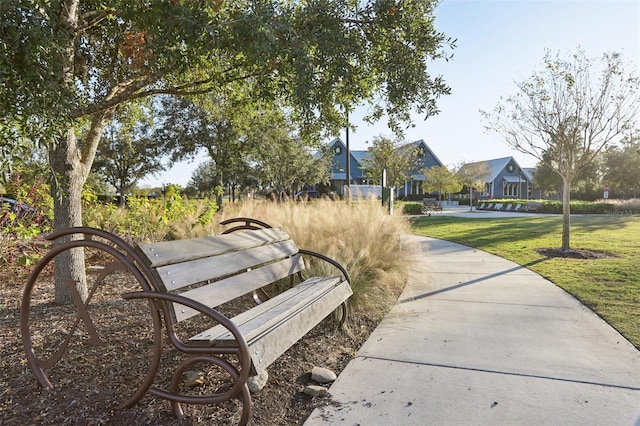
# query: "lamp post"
348, 166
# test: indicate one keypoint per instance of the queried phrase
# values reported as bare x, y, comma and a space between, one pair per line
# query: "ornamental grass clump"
360, 235
624, 207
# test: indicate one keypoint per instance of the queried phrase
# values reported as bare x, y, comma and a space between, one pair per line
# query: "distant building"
507, 180
534, 192
426, 159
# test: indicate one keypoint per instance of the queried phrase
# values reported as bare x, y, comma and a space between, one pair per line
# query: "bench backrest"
214, 270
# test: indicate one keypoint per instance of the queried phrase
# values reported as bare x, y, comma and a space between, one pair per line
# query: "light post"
348, 166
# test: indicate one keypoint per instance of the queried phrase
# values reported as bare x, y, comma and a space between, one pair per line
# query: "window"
509, 189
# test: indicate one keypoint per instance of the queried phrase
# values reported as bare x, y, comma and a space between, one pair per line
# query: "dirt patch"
91, 382
575, 253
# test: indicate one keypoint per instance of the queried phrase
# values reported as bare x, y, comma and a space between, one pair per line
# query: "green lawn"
609, 286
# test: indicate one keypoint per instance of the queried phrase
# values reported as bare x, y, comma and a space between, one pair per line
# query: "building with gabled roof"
413, 186
507, 179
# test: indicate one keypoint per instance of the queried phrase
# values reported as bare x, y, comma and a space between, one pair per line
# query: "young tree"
389, 155
67, 65
439, 179
567, 113
474, 176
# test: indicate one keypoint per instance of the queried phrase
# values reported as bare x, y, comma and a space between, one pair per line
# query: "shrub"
144, 219
359, 235
411, 208
577, 207
21, 230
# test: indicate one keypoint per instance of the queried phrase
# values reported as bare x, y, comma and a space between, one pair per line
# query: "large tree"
214, 123
67, 64
622, 167
127, 152
284, 162
566, 113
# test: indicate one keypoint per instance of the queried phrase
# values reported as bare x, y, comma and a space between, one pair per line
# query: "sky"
499, 43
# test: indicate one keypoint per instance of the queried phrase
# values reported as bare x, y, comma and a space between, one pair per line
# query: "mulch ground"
92, 382
575, 253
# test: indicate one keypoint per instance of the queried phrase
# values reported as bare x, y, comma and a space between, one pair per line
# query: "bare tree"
567, 113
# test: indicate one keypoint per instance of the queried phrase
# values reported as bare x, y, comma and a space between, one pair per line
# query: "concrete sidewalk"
477, 340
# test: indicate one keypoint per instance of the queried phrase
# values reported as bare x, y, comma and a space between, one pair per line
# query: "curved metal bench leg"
38, 366
245, 397
345, 313
177, 399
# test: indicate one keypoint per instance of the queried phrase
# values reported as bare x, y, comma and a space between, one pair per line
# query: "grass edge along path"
608, 285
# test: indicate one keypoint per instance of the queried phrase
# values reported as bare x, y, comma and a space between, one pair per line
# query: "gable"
426, 156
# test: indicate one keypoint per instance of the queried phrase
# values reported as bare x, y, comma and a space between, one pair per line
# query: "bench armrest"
246, 223
344, 272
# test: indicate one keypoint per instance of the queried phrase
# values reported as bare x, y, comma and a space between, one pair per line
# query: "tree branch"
93, 18
133, 89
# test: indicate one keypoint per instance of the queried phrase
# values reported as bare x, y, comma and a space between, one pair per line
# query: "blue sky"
499, 42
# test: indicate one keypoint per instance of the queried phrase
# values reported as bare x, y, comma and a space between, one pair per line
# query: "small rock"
256, 383
314, 390
193, 379
322, 375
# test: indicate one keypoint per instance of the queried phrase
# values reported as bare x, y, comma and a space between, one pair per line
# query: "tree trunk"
470, 199
70, 164
219, 188
66, 190
566, 213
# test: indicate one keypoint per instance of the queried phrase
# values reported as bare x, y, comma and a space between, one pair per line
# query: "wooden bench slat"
227, 289
168, 252
268, 347
263, 317
183, 274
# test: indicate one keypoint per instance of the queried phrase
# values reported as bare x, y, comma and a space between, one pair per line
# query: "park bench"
186, 279
430, 205
533, 206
